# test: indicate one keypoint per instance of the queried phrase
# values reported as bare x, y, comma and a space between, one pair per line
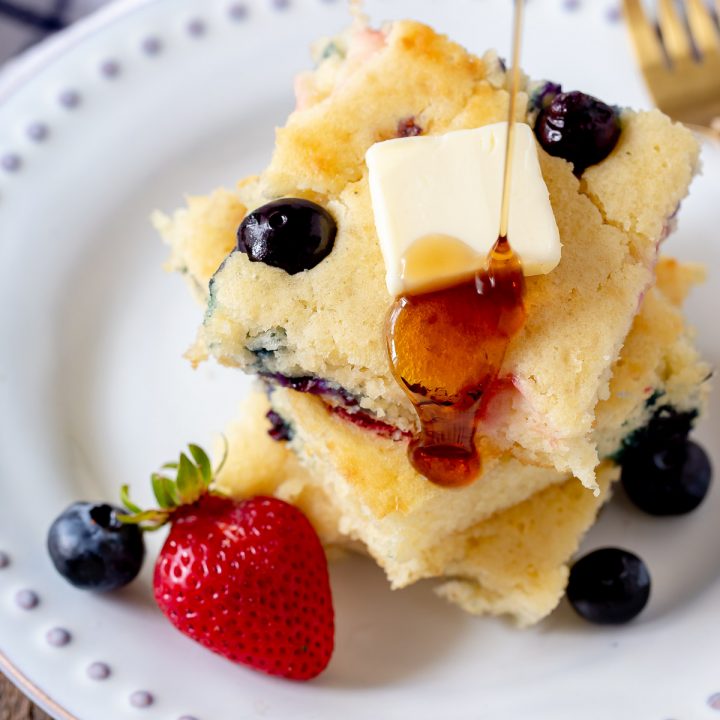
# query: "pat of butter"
440, 195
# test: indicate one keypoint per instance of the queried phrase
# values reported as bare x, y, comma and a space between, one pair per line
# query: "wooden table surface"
15, 706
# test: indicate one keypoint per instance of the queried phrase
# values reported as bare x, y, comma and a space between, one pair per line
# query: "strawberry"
247, 580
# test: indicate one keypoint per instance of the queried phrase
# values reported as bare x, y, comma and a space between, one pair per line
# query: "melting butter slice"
436, 201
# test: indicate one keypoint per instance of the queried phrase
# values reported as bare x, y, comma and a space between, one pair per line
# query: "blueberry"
279, 429
544, 94
666, 425
93, 550
313, 386
609, 586
669, 478
579, 128
290, 234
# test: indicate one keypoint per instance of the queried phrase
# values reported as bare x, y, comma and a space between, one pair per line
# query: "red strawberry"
248, 579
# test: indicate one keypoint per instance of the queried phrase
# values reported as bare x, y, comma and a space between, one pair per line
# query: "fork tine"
702, 26
645, 39
674, 34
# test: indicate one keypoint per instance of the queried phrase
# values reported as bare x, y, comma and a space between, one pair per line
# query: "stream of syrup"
446, 348
447, 345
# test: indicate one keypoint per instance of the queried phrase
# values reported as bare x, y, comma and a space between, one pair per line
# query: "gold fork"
681, 66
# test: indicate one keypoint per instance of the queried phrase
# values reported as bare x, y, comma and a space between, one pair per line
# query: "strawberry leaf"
172, 491
148, 520
203, 464
192, 479
189, 482
160, 488
125, 499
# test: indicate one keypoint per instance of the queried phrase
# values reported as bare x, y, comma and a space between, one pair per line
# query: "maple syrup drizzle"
446, 348
447, 345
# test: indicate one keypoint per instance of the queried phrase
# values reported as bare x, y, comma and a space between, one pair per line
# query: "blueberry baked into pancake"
380, 201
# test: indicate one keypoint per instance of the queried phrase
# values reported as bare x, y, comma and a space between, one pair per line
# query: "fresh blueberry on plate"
93, 550
609, 586
670, 478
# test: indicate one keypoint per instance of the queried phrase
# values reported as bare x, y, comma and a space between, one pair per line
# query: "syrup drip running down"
446, 348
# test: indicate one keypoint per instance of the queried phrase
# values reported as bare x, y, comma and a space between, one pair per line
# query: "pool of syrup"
446, 348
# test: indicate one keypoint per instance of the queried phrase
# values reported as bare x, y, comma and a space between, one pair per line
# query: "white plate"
93, 391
